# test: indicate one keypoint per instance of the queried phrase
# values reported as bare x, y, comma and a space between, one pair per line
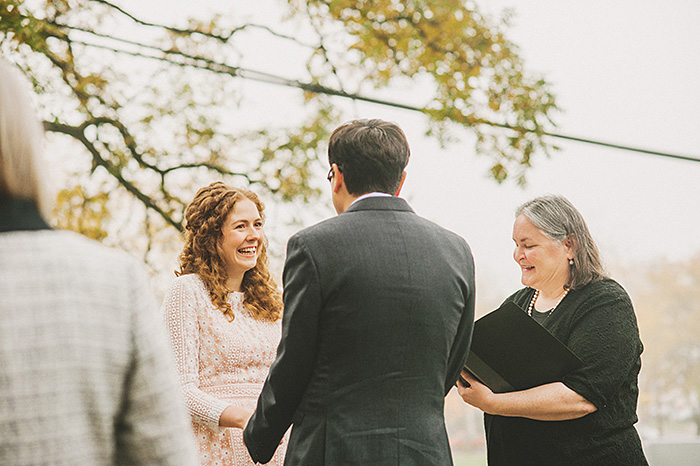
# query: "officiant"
588, 417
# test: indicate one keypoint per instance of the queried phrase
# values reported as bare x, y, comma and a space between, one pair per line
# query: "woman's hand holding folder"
472, 391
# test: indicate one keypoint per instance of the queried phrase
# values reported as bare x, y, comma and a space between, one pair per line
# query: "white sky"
624, 72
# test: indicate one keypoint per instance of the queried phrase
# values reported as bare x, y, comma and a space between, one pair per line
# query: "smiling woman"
223, 314
544, 261
241, 239
590, 413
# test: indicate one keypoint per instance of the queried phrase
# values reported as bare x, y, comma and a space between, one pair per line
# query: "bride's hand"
235, 416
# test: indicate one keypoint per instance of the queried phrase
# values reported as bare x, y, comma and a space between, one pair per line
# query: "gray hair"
21, 138
557, 218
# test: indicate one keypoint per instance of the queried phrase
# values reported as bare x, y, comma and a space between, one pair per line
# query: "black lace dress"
598, 323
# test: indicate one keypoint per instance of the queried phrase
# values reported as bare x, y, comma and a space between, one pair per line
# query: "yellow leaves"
499, 172
18, 25
36, 30
476, 71
198, 132
9, 13
81, 212
58, 7
292, 158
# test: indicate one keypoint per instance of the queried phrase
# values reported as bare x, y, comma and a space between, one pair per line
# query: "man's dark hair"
371, 154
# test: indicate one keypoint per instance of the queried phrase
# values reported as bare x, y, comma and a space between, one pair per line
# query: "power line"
259, 76
335, 92
619, 146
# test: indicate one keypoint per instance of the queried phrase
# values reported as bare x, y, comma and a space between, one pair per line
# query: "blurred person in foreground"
378, 316
223, 312
86, 376
588, 418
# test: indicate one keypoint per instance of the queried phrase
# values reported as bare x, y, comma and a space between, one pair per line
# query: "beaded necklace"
536, 295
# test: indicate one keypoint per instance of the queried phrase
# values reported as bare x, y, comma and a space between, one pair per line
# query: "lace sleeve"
179, 309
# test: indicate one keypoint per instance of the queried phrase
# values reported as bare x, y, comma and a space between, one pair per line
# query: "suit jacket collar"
20, 214
380, 203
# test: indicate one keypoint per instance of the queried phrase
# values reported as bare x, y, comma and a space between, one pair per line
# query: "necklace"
537, 294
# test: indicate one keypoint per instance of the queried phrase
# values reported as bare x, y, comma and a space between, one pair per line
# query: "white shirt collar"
372, 194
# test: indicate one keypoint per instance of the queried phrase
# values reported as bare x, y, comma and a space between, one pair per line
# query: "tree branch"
253, 75
224, 38
78, 133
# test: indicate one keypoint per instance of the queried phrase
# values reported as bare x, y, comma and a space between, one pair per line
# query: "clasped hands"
235, 416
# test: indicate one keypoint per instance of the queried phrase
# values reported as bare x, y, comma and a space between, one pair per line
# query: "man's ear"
403, 178
338, 179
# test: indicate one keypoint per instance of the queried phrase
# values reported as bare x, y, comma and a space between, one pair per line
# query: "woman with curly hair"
223, 313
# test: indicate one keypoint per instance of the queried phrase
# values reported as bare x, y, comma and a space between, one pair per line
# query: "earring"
571, 262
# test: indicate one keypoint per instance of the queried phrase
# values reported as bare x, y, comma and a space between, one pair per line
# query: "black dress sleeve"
604, 334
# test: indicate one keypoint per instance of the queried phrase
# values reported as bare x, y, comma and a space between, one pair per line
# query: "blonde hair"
203, 255
21, 137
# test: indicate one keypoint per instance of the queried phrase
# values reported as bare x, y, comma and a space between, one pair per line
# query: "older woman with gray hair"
588, 417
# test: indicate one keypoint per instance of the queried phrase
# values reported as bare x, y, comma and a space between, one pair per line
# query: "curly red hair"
202, 253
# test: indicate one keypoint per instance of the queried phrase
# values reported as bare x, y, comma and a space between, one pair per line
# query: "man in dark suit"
378, 316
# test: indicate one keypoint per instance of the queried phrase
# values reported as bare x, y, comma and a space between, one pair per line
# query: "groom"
378, 316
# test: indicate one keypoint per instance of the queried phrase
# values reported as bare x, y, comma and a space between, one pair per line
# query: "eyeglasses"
330, 175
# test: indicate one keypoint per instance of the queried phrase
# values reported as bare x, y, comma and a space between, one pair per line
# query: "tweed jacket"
86, 373
379, 310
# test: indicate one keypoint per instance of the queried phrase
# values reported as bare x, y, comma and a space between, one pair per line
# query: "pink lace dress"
220, 363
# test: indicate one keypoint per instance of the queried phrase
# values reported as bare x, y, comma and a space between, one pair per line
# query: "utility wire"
259, 76
619, 146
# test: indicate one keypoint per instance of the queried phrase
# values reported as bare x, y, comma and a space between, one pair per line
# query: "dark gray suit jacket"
378, 316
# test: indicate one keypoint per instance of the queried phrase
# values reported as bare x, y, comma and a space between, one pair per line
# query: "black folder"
510, 352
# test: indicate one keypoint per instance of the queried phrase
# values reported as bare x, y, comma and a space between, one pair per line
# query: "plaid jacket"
86, 373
